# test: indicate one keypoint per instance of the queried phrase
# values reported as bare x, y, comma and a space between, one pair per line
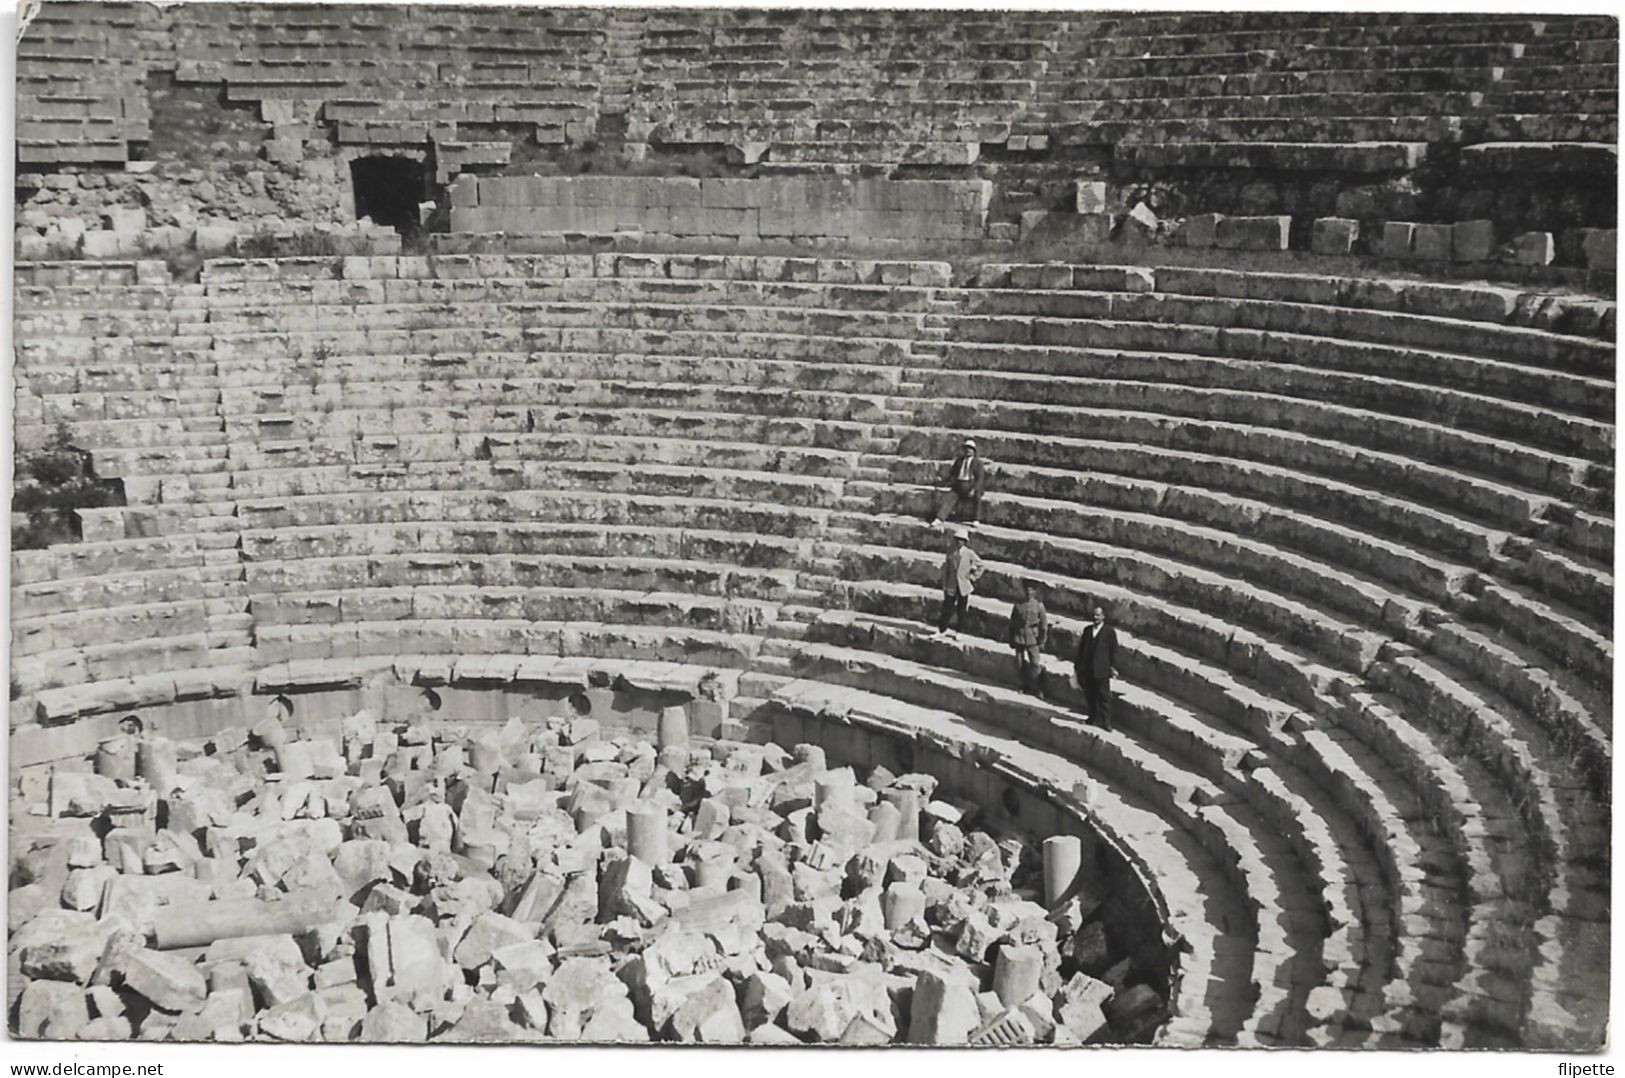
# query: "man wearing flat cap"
962, 498
1029, 631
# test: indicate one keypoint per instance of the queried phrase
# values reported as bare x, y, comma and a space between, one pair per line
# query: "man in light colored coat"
961, 569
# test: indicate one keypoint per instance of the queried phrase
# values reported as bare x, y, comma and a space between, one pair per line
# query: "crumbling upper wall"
1379, 117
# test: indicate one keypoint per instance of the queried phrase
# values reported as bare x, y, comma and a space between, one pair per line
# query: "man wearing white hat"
964, 482
961, 569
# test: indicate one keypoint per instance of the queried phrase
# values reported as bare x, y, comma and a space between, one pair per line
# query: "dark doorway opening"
388, 189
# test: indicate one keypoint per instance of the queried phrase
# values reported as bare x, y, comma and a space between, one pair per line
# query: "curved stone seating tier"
1544, 78
1563, 633
471, 404
382, 452
1570, 898
1398, 22
1371, 60
1569, 580
1403, 565
1396, 311
1412, 582
1334, 590
1445, 325
279, 589
1573, 711
1259, 782
1013, 315
454, 462
855, 102
1498, 390
1117, 378
1075, 95
1266, 129
852, 365
1106, 103
69, 721
1569, 643
1558, 730
1519, 326
1572, 126
1131, 37
1295, 671
538, 303
1316, 451
1422, 754
1120, 472
1388, 582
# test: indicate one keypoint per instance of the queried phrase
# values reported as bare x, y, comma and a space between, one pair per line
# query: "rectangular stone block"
1091, 196
1198, 230
771, 222
100, 244
1600, 247
1253, 233
542, 190
1397, 238
1432, 243
1334, 235
872, 194
1472, 241
682, 191
1084, 228
125, 218
726, 193
973, 196
1534, 249
464, 192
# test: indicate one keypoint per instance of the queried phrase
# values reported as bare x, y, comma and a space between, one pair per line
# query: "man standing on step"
962, 500
961, 569
1029, 629
1095, 666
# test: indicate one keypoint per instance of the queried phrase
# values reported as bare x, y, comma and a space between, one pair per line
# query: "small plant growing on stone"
51, 482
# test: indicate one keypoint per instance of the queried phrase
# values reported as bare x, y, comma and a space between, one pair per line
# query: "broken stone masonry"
546, 882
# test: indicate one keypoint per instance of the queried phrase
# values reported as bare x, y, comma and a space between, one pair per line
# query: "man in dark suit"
1095, 666
963, 484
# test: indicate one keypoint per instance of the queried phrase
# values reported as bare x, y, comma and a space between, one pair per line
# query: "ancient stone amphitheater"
590, 368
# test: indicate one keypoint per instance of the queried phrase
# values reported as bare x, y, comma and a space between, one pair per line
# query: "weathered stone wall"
1378, 117
843, 211
175, 206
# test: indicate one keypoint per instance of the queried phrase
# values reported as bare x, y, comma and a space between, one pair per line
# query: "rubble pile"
540, 882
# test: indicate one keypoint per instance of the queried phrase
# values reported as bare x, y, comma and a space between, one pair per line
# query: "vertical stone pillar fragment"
646, 834
1063, 858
